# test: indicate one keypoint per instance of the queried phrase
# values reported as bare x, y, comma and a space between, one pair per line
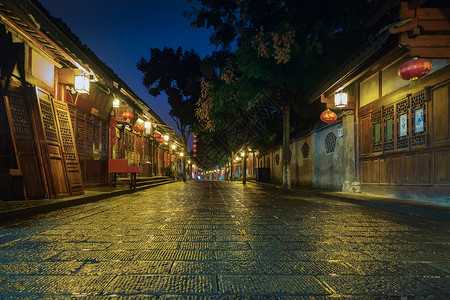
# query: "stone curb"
420, 210
15, 215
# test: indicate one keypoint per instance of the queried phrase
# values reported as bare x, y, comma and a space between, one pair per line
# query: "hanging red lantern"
195, 145
195, 136
195, 155
194, 150
156, 136
128, 115
414, 69
328, 116
195, 141
161, 139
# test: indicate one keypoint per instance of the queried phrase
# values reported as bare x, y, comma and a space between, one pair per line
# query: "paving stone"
332, 255
125, 267
306, 268
133, 284
405, 256
174, 255
25, 255
377, 285
214, 268
394, 268
36, 268
56, 284
145, 246
306, 285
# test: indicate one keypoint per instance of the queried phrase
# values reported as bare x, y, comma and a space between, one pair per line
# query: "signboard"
403, 125
418, 120
340, 131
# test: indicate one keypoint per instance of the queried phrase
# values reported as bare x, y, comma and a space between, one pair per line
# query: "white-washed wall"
323, 159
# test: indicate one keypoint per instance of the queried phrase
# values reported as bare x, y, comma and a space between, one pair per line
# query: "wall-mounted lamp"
340, 100
181, 154
82, 83
166, 138
174, 146
242, 154
148, 125
140, 121
116, 103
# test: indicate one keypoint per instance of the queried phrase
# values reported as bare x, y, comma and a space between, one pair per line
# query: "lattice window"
104, 139
388, 128
403, 124
376, 140
330, 143
305, 150
277, 159
48, 119
19, 116
419, 118
66, 135
89, 137
96, 134
81, 134
268, 162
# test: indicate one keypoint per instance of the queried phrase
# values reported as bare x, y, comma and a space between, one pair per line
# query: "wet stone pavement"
222, 240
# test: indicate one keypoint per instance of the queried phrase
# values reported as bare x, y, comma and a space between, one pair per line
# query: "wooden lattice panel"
388, 128
89, 137
48, 119
19, 116
403, 115
419, 118
81, 134
66, 135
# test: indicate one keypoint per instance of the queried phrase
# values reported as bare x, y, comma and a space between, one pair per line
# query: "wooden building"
58, 127
402, 128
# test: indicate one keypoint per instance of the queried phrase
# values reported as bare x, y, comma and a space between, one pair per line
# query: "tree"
276, 45
178, 74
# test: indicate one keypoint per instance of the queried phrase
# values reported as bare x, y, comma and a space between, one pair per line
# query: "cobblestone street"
223, 240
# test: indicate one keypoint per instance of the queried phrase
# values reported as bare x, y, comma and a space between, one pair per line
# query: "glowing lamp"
195, 136
82, 84
328, 116
166, 138
116, 103
156, 135
242, 154
161, 139
194, 150
414, 69
181, 154
340, 100
195, 145
128, 115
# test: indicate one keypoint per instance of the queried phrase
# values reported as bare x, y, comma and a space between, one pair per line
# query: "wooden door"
69, 150
51, 146
18, 110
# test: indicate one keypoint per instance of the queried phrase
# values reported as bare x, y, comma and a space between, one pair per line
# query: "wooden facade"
55, 139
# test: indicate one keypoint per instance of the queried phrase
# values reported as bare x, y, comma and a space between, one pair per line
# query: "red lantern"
414, 69
328, 116
195, 155
195, 141
195, 136
128, 115
156, 136
161, 139
195, 145
194, 150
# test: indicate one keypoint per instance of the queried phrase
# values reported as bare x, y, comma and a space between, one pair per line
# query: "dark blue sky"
121, 32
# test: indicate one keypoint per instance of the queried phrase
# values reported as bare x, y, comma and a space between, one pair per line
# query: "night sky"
121, 32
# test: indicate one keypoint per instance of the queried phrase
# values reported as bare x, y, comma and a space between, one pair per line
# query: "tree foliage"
176, 73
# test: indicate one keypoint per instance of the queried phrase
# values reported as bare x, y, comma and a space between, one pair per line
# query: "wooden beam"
405, 12
435, 25
430, 52
425, 40
411, 25
433, 13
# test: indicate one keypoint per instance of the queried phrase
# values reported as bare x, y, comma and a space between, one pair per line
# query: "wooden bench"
122, 166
